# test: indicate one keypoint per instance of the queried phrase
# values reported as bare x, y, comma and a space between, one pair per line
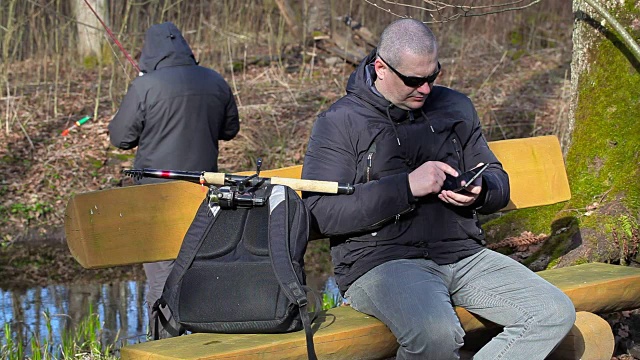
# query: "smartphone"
455, 183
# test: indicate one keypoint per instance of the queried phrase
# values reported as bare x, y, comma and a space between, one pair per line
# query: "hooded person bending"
174, 113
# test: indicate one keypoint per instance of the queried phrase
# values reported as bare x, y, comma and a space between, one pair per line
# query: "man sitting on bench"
406, 250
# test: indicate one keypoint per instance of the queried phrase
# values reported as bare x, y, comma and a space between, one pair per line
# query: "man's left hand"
465, 197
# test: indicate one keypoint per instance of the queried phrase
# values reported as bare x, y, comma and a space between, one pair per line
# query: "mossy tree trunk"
602, 147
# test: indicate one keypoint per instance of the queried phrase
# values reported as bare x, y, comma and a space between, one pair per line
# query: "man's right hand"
429, 177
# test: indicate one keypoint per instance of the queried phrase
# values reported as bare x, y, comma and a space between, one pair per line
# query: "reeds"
83, 341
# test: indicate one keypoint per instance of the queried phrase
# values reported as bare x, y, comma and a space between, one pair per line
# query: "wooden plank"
536, 171
340, 333
590, 338
343, 333
598, 287
130, 225
136, 224
147, 223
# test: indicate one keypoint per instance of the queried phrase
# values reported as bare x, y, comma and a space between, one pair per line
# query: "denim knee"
568, 311
441, 341
558, 313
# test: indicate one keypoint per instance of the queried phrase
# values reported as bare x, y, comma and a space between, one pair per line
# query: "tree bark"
289, 15
90, 31
318, 15
602, 147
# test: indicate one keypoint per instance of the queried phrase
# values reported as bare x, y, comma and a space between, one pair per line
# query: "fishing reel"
229, 197
241, 194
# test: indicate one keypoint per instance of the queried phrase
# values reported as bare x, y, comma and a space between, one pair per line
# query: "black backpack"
235, 264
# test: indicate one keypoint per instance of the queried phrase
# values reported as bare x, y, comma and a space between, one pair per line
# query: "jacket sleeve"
330, 156
231, 122
495, 181
127, 125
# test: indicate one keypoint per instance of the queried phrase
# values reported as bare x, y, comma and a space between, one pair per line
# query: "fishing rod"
242, 181
231, 191
126, 54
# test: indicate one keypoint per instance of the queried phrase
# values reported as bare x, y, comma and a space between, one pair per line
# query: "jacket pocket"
470, 228
387, 229
371, 152
457, 148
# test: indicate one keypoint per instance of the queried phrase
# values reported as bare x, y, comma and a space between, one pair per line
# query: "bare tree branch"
437, 9
633, 46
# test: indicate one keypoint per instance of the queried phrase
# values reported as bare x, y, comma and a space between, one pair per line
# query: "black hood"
360, 84
165, 46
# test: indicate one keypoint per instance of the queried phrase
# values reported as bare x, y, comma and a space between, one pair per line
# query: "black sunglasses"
414, 81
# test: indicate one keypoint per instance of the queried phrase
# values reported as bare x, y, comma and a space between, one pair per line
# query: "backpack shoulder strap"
279, 249
205, 218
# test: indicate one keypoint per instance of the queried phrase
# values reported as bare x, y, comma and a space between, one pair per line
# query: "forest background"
286, 61
513, 65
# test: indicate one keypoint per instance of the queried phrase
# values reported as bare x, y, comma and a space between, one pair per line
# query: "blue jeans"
415, 298
157, 274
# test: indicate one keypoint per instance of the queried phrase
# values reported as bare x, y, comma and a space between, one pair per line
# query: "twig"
33, 148
233, 78
633, 46
492, 72
285, 84
437, 7
493, 116
604, 195
313, 58
226, 33
6, 118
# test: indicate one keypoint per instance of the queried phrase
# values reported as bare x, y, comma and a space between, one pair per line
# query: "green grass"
84, 342
331, 300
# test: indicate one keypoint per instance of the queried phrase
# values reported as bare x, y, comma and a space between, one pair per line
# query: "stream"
120, 307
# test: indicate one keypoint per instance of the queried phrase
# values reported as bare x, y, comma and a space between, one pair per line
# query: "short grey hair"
406, 35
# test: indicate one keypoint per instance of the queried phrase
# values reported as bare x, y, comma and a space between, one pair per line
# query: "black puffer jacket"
365, 140
176, 112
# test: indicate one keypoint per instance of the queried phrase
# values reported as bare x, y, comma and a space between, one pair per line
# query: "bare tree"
90, 33
442, 11
311, 15
318, 15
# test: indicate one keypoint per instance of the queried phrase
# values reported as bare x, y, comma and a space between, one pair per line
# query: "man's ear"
380, 68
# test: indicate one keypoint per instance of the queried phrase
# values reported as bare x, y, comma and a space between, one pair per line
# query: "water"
120, 307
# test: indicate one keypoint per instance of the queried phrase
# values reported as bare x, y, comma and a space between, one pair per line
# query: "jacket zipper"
396, 217
455, 146
370, 154
369, 165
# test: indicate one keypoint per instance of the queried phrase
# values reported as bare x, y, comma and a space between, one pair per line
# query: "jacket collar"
361, 84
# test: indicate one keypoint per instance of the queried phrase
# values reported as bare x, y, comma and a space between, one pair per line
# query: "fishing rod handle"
329, 187
213, 178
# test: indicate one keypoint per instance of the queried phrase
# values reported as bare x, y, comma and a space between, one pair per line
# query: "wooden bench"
147, 223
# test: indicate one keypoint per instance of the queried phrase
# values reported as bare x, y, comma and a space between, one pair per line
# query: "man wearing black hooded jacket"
404, 250
175, 113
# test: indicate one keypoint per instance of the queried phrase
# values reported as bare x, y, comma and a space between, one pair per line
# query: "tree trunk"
318, 16
289, 15
602, 147
90, 31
